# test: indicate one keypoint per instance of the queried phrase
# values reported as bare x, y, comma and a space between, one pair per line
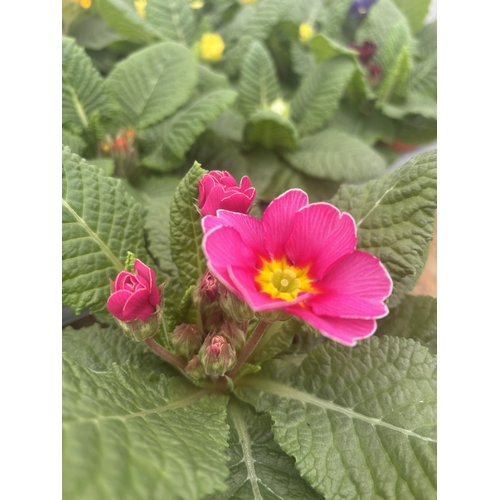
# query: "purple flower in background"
360, 8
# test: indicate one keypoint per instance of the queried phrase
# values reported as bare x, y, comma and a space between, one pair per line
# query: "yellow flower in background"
248, 1
140, 7
280, 107
305, 32
83, 3
196, 4
211, 47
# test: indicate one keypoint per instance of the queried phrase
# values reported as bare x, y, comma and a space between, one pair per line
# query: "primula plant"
245, 255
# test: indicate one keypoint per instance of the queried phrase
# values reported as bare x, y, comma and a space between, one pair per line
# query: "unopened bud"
233, 306
366, 50
233, 335
186, 340
375, 71
206, 290
217, 355
194, 368
141, 330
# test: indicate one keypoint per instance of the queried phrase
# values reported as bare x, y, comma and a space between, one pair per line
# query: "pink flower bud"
195, 369
217, 355
206, 290
233, 306
134, 296
186, 340
375, 71
219, 190
233, 335
366, 51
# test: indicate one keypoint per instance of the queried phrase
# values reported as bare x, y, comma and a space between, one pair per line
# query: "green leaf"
338, 14
101, 223
83, 90
125, 437
395, 218
156, 194
332, 154
174, 20
92, 32
210, 80
122, 16
270, 130
98, 348
73, 141
153, 82
107, 165
415, 12
258, 86
416, 104
324, 48
388, 28
185, 228
267, 14
360, 422
169, 140
414, 318
320, 92
303, 62
229, 125
259, 468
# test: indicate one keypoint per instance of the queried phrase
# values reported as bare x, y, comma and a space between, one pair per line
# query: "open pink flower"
301, 258
219, 190
134, 296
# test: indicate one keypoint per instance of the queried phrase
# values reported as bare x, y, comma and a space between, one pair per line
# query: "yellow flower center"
211, 47
305, 32
281, 280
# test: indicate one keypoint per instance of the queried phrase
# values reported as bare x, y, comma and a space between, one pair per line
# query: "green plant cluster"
289, 107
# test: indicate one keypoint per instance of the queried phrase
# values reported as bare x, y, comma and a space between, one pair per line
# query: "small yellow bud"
196, 4
280, 107
211, 47
85, 3
306, 31
140, 7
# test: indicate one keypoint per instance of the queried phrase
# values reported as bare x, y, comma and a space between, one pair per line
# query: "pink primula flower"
134, 296
219, 190
301, 258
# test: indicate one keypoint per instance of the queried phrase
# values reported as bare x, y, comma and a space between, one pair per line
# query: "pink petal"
210, 221
320, 236
347, 306
121, 278
206, 184
235, 202
345, 331
278, 219
144, 271
116, 303
245, 183
212, 202
138, 306
224, 247
154, 296
244, 280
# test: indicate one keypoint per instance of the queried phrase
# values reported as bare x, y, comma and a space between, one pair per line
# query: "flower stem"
249, 347
165, 353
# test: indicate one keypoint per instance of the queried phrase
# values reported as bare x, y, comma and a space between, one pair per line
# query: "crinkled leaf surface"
258, 85
320, 92
156, 194
271, 131
415, 11
125, 437
360, 422
83, 90
172, 138
332, 154
414, 318
101, 223
73, 141
185, 228
122, 16
395, 218
325, 48
153, 82
259, 468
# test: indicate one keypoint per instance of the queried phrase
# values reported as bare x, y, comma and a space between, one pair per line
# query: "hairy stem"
165, 353
249, 347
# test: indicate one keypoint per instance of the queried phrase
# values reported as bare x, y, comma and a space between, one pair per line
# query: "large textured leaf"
92, 32
73, 141
152, 83
270, 130
185, 228
338, 14
156, 194
267, 14
258, 86
395, 80
335, 155
415, 12
174, 19
320, 92
127, 438
395, 218
172, 138
122, 16
259, 468
303, 61
414, 318
83, 90
101, 223
97, 348
360, 422
324, 48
